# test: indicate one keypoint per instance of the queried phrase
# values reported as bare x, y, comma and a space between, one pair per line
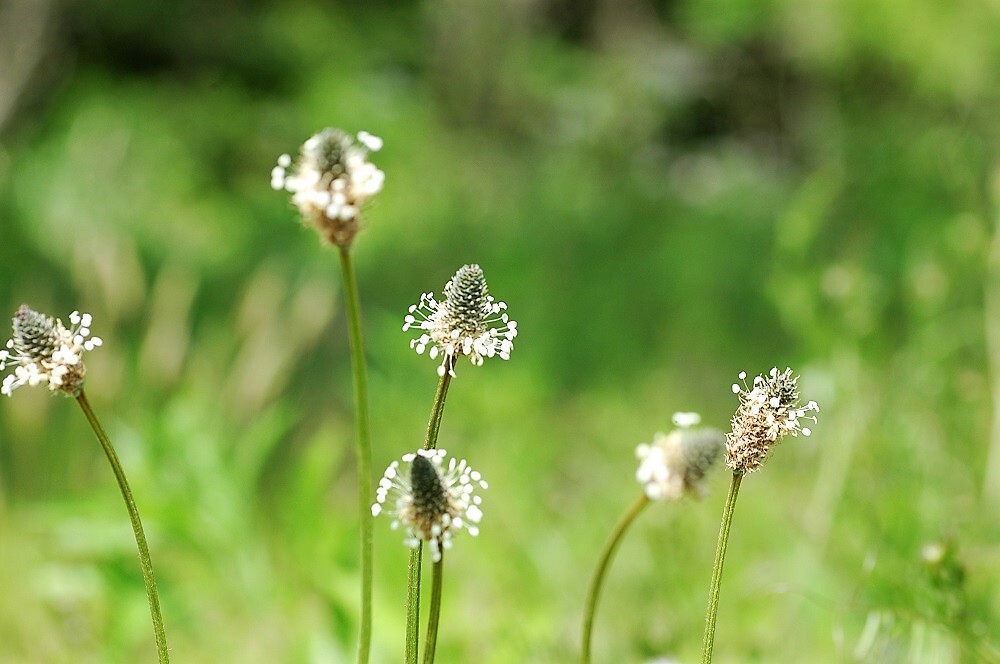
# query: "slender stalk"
140, 538
364, 443
720, 556
413, 605
413, 565
602, 567
434, 614
437, 412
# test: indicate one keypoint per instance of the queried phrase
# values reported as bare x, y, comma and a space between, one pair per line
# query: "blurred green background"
665, 192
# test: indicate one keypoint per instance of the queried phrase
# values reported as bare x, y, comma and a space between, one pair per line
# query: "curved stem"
602, 567
140, 538
720, 556
413, 565
434, 614
364, 445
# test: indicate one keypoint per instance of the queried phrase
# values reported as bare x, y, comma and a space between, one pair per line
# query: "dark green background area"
664, 192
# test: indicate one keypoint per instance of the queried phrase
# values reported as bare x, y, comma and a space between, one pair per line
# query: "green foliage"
664, 196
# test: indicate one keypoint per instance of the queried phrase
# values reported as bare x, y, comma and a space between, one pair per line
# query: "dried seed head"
768, 411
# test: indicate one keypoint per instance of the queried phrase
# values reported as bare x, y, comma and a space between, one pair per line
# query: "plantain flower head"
432, 497
43, 350
467, 322
331, 180
768, 411
675, 464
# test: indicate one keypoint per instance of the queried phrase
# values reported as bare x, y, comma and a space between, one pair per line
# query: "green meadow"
665, 193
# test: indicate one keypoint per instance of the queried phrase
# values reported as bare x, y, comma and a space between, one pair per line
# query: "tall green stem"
413, 605
140, 538
720, 556
602, 567
434, 614
364, 443
413, 565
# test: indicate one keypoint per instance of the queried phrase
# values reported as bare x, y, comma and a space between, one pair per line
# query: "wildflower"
331, 180
43, 350
468, 322
767, 412
432, 500
675, 464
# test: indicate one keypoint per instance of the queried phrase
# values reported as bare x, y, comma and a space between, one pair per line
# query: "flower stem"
434, 613
413, 605
602, 567
413, 565
140, 538
720, 556
364, 452
437, 412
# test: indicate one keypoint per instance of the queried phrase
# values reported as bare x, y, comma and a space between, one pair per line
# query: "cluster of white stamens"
430, 498
768, 411
467, 322
43, 350
331, 180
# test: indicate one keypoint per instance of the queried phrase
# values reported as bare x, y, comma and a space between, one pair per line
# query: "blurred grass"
665, 193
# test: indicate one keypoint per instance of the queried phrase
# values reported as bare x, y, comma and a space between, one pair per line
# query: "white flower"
431, 499
676, 464
42, 350
331, 181
767, 412
468, 322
